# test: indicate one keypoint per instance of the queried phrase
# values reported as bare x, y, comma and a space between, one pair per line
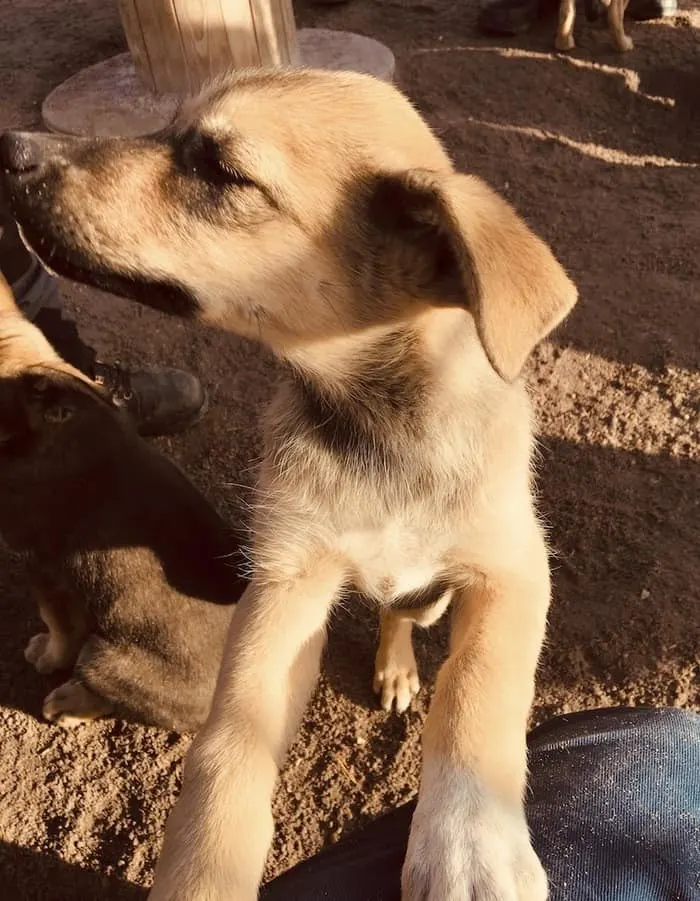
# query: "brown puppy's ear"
56, 393
14, 421
465, 245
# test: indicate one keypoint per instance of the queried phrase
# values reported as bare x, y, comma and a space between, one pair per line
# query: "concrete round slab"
109, 100
320, 48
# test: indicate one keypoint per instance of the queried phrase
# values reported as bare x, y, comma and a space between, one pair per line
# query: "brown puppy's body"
317, 212
131, 566
616, 14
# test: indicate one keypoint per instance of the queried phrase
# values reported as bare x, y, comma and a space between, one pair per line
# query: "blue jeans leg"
613, 805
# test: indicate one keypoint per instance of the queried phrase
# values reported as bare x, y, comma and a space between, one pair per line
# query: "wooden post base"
109, 100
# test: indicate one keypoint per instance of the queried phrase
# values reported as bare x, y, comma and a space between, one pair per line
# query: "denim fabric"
32, 285
613, 805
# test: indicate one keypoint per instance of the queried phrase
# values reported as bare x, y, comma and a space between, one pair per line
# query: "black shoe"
645, 10
160, 401
511, 17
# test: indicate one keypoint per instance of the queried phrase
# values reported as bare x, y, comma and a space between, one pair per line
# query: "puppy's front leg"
219, 832
469, 839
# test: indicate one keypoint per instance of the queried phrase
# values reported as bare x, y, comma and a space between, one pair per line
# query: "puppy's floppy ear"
466, 245
57, 390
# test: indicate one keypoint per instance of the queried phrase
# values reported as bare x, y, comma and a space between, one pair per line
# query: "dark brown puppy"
134, 571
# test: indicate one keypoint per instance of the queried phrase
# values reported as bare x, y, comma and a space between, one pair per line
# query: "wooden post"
178, 45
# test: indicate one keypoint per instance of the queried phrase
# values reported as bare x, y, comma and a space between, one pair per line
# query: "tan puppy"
616, 14
317, 212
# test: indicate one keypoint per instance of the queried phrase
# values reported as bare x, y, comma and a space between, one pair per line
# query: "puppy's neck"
374, 398
437, 348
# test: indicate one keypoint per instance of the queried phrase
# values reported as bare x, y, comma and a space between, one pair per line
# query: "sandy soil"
600, 153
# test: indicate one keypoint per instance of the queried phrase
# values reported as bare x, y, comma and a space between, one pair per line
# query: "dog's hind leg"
59, 647
141, 685
395, 669
73, 703
565, 27
616, 16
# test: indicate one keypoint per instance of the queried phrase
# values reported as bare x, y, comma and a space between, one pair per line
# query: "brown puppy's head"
50, 417
297, 207
44, 403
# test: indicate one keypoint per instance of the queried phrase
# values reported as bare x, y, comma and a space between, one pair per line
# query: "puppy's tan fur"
318, 213
616, 14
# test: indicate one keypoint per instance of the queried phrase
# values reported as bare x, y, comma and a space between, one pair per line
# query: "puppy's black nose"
19, 151
22, 151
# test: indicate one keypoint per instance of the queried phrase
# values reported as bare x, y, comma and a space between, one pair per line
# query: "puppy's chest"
396, 559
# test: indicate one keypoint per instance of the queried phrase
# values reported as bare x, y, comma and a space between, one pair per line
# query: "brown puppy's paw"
42, 655
72, 703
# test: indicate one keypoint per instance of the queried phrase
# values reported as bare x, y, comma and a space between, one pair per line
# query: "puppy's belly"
391, 563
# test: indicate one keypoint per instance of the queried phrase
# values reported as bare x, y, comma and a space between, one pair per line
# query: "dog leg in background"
616, 16
59, 647
469, 837
565, 28
218, 835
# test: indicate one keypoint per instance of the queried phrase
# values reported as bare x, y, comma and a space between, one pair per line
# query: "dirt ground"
600, 153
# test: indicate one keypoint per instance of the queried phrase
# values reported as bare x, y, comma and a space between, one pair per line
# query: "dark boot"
160, 401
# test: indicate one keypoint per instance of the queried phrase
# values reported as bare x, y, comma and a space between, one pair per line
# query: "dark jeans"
613, 806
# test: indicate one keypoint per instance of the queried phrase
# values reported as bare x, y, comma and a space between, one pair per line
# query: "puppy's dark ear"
55, 393
14, 421
460, 243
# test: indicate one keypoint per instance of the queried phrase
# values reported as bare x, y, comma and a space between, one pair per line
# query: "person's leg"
613, 806
510, 17
159, 400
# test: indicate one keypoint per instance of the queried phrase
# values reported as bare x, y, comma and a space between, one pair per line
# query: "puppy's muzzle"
23, 152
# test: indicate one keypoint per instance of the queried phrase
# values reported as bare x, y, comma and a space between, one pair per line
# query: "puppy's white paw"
398, 684
467, 846
624, 44
40, 653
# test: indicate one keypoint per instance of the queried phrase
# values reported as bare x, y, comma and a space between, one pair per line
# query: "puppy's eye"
203, 158
58, 414
228, 172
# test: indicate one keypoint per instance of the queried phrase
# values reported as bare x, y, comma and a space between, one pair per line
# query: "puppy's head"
44, 402
49, 414
294, 207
